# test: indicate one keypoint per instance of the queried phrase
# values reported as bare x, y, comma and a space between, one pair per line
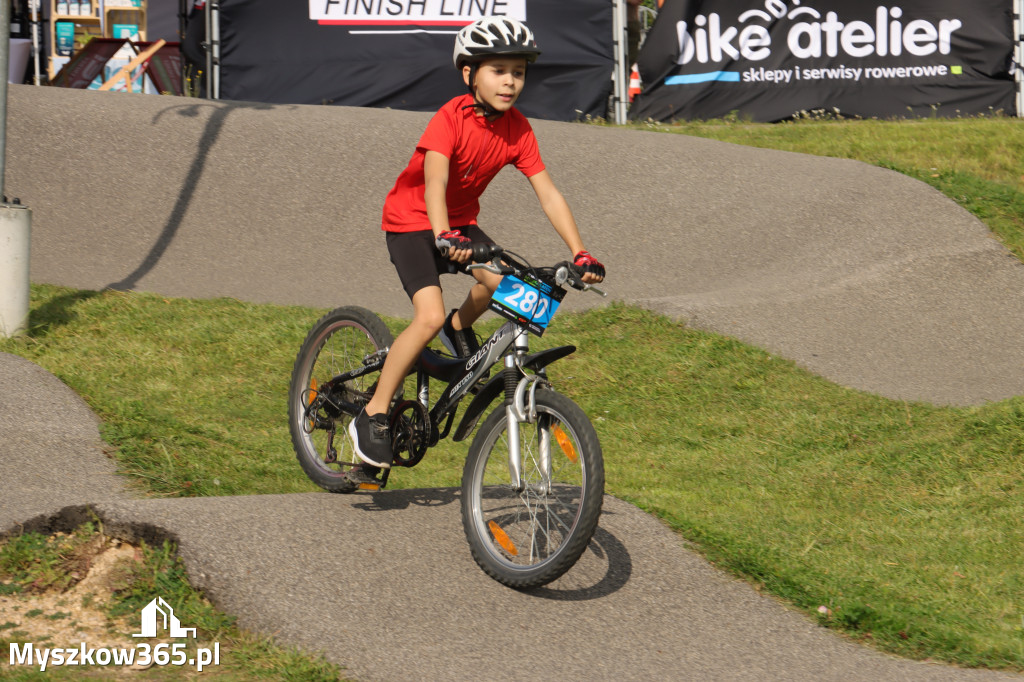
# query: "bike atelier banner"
770, 59
398, 53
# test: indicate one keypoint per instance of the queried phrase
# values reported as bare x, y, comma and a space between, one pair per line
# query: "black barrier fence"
398, 53
768, 60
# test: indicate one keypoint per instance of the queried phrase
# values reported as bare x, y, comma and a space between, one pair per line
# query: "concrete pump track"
868, 278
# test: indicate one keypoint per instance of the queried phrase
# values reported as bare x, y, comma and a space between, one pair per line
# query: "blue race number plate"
528, 302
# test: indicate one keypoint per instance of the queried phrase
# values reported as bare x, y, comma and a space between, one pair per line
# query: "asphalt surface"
862, 275
857, 273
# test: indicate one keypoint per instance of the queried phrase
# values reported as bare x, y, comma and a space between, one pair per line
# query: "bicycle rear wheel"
527, 538
337, 343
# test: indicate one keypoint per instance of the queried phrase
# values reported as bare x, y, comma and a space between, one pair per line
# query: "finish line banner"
768, 60
419, 12
398, 53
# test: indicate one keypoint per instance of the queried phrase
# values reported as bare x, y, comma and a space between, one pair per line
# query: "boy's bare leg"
428, 317
477, 300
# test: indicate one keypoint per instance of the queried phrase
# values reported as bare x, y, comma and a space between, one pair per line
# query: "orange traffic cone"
634, 83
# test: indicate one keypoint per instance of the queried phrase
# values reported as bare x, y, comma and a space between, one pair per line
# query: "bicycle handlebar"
493, 258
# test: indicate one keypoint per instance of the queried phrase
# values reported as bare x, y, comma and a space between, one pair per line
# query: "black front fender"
495, 386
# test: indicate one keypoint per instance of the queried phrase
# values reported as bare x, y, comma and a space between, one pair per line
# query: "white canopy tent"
166, 19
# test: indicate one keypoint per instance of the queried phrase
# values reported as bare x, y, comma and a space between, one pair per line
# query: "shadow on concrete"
212, 131
605, 550
603, 569
396, 500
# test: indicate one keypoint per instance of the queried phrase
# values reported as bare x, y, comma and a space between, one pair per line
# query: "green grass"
903, 520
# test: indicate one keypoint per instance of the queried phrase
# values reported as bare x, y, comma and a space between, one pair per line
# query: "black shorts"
419, 263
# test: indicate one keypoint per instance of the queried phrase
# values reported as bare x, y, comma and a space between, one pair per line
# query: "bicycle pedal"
363, 479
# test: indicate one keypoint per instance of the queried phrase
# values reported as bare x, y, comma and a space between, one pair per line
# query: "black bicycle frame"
475, 367
472, 369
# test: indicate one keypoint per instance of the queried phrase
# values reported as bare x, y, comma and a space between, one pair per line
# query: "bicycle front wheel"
337, 343
530, 536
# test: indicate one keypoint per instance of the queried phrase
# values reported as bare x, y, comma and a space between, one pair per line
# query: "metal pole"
15, 221
183, 10
15, 238
208, 48
215, 46
5, 55
1018, 54
620, 77
36, 46
212, 46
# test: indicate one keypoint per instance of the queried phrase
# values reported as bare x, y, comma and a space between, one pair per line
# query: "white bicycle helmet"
491, 37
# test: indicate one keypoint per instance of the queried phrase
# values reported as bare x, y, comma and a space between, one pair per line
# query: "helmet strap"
487, 110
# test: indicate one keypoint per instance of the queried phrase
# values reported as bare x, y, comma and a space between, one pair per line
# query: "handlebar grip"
484, 253
575, 276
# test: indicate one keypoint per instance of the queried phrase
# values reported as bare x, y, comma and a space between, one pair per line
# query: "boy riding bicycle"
434, 205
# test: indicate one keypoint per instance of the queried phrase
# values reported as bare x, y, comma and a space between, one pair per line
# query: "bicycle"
533, 481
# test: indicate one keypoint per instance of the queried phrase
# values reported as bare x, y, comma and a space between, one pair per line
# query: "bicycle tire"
337, 343
501, 523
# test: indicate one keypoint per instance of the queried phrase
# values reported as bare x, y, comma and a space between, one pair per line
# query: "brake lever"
489, 267
567, 273
493, 266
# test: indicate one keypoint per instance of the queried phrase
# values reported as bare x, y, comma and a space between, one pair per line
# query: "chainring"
410, 432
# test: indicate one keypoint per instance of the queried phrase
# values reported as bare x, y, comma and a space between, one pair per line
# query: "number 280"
526, 299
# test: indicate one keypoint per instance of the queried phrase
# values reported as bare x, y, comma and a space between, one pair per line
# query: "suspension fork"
520, 407
544, 428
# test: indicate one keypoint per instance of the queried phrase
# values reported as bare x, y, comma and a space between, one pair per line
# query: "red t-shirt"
476, 149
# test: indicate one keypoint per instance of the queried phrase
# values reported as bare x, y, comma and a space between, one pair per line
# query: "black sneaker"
460, 342
372, 439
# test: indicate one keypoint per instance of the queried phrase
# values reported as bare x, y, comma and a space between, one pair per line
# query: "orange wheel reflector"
369, 486
565, 443
501, 537
312, 396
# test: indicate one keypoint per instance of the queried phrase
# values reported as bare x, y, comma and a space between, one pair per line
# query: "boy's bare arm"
435, 181
557, 210
435, 186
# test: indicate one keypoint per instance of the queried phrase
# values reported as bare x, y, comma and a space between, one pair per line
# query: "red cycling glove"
587, 263
452, 239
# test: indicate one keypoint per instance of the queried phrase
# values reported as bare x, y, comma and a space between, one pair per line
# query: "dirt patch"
68, 618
